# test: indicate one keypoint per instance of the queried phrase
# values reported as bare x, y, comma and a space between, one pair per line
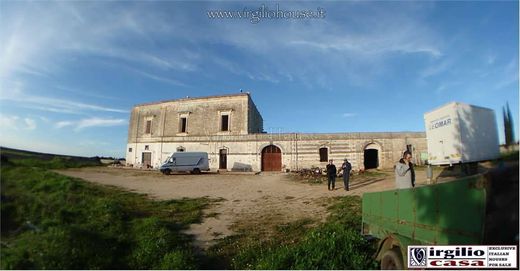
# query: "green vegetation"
508, 125
510, 156
55, 163
50, 221
43, 160
335, 244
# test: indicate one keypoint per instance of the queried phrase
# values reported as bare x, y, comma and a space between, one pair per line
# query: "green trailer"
480, 209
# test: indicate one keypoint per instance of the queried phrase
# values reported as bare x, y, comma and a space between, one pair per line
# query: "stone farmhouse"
230, 129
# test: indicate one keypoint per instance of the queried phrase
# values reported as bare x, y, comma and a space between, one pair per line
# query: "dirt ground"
266, 199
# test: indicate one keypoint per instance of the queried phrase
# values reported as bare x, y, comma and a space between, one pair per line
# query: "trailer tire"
392, 260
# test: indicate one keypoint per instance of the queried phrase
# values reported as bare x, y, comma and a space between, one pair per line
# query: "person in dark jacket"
346, 167
331, 174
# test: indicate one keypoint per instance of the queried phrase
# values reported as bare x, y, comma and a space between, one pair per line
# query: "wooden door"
271, 158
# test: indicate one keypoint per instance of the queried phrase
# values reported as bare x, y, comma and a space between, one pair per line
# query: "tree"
508, 125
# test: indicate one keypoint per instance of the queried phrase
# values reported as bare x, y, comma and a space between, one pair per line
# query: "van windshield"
169, 160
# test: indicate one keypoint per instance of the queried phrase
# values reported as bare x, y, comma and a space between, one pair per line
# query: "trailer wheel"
392, 260
196, 171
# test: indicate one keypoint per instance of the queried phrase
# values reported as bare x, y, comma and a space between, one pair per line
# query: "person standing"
404, 172
331, 174
346, 167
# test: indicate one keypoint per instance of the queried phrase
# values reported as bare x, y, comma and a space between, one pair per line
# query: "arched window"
180, 149
324, 154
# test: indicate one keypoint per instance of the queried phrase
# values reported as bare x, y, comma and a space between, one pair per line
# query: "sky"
71, 71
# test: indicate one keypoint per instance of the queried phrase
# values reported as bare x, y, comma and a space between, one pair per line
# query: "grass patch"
509, 156
335, 244
56, 163
21, 158
50, 221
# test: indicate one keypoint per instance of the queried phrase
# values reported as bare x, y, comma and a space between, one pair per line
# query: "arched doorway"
271, 158
371, 156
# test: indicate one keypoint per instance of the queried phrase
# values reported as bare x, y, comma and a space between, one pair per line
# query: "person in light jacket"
404, 172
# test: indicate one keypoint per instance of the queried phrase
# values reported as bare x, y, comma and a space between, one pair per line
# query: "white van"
194, 162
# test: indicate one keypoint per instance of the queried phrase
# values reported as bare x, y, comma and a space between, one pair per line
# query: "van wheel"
167, 172
392, 260
196, 171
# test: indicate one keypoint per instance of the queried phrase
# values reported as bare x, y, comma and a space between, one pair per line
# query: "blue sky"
70, 72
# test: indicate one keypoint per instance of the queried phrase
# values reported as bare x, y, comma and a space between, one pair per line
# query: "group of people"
346, 167
404, 173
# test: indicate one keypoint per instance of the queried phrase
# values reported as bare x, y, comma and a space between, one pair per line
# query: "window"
180, 149
148, 128
129, 149
225, 120
146, 147
324, 154
183, 122
224, 123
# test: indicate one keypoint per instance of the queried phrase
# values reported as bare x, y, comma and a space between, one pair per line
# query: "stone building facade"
230, 129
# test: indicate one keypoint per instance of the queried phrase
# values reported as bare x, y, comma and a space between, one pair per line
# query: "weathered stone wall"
298, 150
255, 120
203, 117
245, 141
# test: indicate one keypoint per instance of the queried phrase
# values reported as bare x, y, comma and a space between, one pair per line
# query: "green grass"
50, 221
55, 163
510, 156
335, 244
45, 161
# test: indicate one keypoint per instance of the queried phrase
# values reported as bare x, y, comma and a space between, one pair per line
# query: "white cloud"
8, 122
30, 31
61, 124
372, 45
156, 77
44, 119
12, 122
348, 115
435, 69
90, 122
99, 122
14, 92
292, 50
30, 123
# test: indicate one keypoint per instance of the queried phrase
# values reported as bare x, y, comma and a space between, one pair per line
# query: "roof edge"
246, 94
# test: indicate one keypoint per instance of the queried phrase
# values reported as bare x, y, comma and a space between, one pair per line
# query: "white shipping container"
458, 132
